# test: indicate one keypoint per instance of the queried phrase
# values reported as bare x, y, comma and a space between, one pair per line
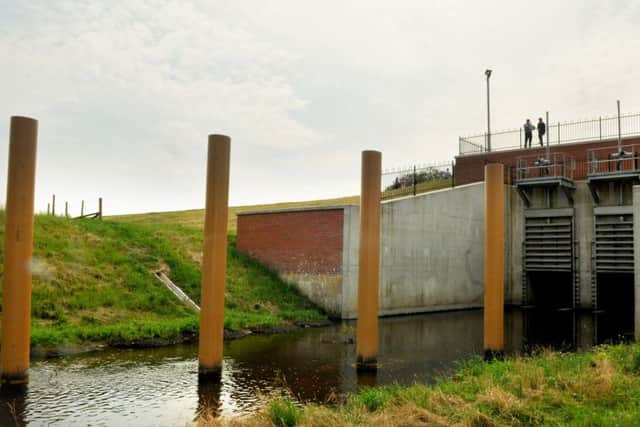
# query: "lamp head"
487, 73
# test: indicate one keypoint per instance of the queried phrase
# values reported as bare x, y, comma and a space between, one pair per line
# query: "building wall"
304, 246
470, 167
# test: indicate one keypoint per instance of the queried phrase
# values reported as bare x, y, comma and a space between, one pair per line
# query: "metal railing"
557, 165
412, 180
617, 159
559, 133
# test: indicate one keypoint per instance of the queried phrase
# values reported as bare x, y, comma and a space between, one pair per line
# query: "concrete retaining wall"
431, 259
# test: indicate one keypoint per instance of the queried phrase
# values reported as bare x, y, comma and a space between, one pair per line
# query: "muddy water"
160, 386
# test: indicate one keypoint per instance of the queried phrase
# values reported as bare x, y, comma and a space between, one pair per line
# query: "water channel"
160, 386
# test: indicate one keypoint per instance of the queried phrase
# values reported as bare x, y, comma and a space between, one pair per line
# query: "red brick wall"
470, 168
294, 242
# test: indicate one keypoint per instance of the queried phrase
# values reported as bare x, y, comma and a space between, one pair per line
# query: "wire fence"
598, 129
417, 179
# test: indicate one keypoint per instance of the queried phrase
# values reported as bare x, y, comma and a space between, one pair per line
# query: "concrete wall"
432, 249
432, 253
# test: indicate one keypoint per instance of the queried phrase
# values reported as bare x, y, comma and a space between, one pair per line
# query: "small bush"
284, 413
373, 398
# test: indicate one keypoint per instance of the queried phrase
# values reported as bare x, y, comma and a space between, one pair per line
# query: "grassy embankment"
195, 217
93, 281
597, 388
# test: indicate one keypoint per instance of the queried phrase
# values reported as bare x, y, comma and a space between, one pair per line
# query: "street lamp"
488, 74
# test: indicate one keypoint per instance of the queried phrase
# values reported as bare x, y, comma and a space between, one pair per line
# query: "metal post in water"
18, 250
369, 261
214, 261
494, 259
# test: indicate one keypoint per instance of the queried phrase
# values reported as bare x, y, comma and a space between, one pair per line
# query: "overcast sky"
126, 92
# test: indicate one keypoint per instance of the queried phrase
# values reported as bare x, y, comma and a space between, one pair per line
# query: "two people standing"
528, 132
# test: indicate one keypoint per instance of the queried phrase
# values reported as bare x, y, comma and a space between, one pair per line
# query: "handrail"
604, 127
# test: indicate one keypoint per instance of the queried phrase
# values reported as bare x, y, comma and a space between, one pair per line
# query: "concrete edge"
422, 310
429, 193
302, 209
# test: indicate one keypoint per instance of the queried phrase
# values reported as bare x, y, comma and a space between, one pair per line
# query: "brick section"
470, 167
308, 241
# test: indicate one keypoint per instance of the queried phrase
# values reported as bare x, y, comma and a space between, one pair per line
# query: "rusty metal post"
494, 259
100, 208
18, 249
369, 261
214, 261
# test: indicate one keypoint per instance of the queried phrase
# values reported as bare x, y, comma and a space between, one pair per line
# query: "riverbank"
94, 285
600, 387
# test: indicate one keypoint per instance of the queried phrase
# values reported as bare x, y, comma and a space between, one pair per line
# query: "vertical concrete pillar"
18, 249
494, 259
369, 261
82, 208
636, 258
214, 261
100, 208
53, 205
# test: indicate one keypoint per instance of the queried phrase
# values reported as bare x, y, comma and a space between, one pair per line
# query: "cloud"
127, 92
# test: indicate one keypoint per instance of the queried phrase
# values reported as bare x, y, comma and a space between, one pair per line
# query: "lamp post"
488, 74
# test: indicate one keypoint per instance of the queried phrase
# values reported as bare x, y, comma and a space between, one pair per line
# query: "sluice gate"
612, 262
550, 278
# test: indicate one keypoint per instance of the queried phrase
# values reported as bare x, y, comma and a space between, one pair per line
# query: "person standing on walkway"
542, 129
528, 135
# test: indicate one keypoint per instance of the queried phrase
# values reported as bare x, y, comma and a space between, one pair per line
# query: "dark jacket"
542, 128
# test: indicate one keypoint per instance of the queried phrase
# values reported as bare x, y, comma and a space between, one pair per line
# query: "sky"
126, 92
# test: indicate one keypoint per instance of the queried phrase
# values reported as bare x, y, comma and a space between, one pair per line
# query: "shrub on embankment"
597, 388
93, 281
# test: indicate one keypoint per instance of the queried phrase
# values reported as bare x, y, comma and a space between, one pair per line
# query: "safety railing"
412, 180
610, 160
556, 165
598, 129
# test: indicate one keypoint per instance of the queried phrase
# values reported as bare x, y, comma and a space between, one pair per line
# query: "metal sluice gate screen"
549, 247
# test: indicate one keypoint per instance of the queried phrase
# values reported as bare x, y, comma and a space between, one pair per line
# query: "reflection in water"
367, 378
13, 405
208, 397
161, 386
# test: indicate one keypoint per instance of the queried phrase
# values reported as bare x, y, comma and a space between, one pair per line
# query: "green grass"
93, 281
195, 217
597, 388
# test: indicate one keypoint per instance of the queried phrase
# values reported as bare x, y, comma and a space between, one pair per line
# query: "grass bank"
597, 388
195, 217
93, 281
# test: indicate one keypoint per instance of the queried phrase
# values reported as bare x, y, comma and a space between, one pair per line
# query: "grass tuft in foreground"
597, 388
